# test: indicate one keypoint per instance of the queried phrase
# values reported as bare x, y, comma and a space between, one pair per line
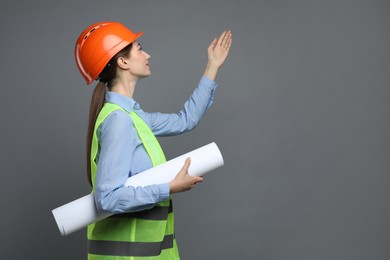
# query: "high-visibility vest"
144, 235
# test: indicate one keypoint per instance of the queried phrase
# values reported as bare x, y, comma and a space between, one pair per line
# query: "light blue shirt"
121, 153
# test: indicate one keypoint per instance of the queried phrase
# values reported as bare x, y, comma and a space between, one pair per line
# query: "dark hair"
106, 79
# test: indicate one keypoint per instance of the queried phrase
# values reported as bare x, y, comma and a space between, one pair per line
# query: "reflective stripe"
118, 248
155, 213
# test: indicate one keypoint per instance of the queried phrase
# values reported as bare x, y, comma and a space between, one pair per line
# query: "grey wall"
301, 116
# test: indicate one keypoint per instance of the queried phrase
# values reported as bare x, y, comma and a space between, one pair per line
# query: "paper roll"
80, 213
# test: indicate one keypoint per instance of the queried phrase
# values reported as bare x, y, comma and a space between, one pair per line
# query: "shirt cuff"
164, 191
205, 81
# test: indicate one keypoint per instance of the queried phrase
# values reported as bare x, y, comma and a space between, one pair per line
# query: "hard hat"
97, 44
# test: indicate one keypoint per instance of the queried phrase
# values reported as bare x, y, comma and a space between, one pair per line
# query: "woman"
121, 143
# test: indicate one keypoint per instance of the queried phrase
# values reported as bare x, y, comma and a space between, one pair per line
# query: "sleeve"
189, 116
117, 145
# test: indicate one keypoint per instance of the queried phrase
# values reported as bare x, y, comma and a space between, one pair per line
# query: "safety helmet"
97, 44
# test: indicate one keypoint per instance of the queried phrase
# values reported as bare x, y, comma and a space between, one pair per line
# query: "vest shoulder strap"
144, 132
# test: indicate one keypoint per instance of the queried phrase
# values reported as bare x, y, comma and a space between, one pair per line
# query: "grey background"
301, 116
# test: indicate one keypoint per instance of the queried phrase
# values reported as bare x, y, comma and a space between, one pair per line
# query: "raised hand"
217, 53
219, 49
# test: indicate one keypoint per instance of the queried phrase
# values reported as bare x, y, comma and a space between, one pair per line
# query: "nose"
146, 55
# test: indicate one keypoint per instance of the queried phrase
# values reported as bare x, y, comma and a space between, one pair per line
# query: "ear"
122, 63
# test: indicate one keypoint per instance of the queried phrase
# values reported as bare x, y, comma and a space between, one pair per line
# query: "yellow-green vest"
145, 235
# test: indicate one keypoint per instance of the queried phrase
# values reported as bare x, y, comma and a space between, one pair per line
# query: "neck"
125, 87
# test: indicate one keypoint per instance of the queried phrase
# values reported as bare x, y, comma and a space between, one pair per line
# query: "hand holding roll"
183, 180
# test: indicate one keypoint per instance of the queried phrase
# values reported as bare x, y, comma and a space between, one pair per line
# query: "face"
138, 61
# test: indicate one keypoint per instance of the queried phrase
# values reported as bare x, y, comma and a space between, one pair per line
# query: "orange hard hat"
97, 44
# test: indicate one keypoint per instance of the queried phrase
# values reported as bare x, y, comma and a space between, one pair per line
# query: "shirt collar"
124, 102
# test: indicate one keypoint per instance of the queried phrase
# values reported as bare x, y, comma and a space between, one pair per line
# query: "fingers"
221, 38
225, 39
212, 44
186, 165
228, 41
185, 180
196, 180
199, 179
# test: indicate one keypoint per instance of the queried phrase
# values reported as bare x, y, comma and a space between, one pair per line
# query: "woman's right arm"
118, 141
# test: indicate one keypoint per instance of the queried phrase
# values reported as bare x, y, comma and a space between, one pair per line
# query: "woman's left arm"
165, 124
202, 97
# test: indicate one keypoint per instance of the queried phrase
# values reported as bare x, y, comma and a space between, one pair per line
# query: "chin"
146, 75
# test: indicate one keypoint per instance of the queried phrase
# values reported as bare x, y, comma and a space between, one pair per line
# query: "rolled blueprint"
80, 213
